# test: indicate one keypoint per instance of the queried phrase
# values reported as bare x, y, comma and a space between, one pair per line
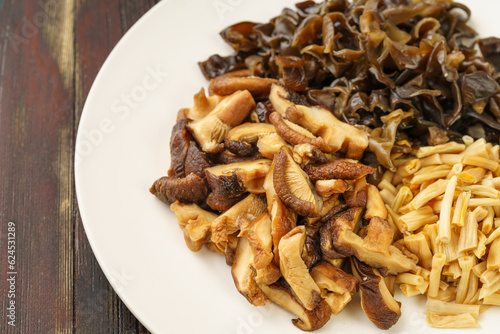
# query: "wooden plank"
97, 308
36, 180
131, 11
99, 26
49, 55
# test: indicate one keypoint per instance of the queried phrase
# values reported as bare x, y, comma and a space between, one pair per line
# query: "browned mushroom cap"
203, 105
311, 252
195, 223
358, 196
376, 300
196, 161
261, 112
295, 134
328, 205
227, 157
191, 189
293, 186
375, 249
240, 148
227, 223
352, 215
211, 130
258, 87
337, 286
338, 169
185, 155
232, 180
179, 144
320, 122
281, 293
240, 139
243, 274
294, 269
221, 203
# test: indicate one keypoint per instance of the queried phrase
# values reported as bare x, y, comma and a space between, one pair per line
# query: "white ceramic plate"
122, 147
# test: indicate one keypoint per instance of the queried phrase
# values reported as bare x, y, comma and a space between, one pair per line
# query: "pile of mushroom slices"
276, 188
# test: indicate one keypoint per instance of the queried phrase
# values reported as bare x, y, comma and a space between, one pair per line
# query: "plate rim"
78, 181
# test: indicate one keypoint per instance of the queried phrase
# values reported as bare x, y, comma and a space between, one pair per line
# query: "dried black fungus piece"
292, 72
477, 87
490, 48
364, 59
241, 36
382, 139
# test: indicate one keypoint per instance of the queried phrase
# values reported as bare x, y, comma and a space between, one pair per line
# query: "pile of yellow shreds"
444, 205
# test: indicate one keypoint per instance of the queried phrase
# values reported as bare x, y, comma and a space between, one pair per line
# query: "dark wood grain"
98, 28
36, 131
50, 53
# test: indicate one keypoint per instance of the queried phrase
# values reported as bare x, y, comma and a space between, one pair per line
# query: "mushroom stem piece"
337, 286
211, 130
190, 189
232, 180
308, 320
243, 274
320, 122
376, 300
375, 249
258, 87
294, 269
195, 223
227, 223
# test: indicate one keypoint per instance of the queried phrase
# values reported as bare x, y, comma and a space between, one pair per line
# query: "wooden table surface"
50, 53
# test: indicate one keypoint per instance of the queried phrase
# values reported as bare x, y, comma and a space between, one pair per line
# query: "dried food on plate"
344, 148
